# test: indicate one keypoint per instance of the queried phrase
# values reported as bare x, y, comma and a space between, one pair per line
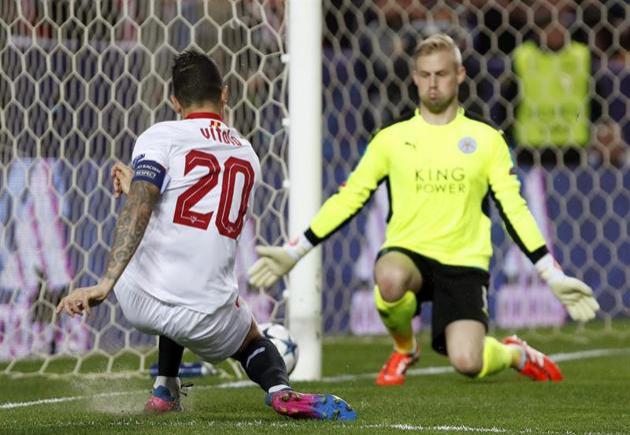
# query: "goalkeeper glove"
277, 261
576, 296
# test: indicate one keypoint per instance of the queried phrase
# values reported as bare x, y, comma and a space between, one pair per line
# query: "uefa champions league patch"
467, 145
137, 160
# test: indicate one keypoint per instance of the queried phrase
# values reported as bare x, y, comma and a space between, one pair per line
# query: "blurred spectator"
553, 76
390, 35
612, 86
608, 147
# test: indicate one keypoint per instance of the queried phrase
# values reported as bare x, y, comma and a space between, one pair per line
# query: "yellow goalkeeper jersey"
440, 178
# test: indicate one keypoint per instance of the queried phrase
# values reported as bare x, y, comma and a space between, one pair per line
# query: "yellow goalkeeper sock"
396, 317
496, 357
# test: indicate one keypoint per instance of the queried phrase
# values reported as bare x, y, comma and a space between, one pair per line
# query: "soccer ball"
280, 337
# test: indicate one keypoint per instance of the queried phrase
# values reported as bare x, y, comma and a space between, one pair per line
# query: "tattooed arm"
132, 223
130, 228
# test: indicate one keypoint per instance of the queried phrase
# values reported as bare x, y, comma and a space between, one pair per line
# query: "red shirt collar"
197, 115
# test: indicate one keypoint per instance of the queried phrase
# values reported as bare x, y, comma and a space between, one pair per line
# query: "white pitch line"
12, 405
594, 353
200, 425
394, 426
441, 428
427, 371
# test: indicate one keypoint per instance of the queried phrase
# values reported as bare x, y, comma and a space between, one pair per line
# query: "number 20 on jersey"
184, 215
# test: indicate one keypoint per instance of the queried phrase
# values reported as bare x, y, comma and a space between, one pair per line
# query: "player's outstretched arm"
573, 293
576, 296
277, 261
121, 178
130, 228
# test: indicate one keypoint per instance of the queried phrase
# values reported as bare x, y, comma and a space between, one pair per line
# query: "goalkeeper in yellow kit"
441, 167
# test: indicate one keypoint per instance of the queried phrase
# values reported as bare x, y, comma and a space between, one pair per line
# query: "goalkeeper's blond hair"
438, 42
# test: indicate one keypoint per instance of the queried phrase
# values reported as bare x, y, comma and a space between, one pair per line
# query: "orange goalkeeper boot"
394, 369
538, 366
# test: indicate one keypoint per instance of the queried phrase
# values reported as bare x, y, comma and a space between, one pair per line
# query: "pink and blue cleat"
311, 406
162, 401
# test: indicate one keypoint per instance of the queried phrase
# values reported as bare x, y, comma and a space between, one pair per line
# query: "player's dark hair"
196, 79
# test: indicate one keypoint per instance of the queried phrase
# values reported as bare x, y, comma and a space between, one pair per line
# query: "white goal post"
305, 178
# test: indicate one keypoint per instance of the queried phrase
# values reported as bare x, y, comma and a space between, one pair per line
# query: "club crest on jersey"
467, 145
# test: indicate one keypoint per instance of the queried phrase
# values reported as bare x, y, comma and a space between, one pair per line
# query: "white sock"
277, 388
173, 384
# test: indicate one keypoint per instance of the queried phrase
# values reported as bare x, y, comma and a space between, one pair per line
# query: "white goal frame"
305, 172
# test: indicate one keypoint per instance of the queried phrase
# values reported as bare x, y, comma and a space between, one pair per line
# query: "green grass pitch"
594, 398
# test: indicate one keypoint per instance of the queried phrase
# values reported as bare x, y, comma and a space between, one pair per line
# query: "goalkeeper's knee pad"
397, 315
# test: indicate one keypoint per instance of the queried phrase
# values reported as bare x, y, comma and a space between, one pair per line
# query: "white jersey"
207, 173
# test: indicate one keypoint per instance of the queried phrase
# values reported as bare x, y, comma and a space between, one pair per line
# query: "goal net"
80, 80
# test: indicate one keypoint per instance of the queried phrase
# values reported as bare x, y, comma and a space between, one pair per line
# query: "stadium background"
80, 80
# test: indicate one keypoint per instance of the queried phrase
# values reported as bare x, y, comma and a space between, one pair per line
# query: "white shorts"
213, 337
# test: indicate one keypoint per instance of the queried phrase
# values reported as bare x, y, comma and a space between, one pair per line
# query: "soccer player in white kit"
171, 264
